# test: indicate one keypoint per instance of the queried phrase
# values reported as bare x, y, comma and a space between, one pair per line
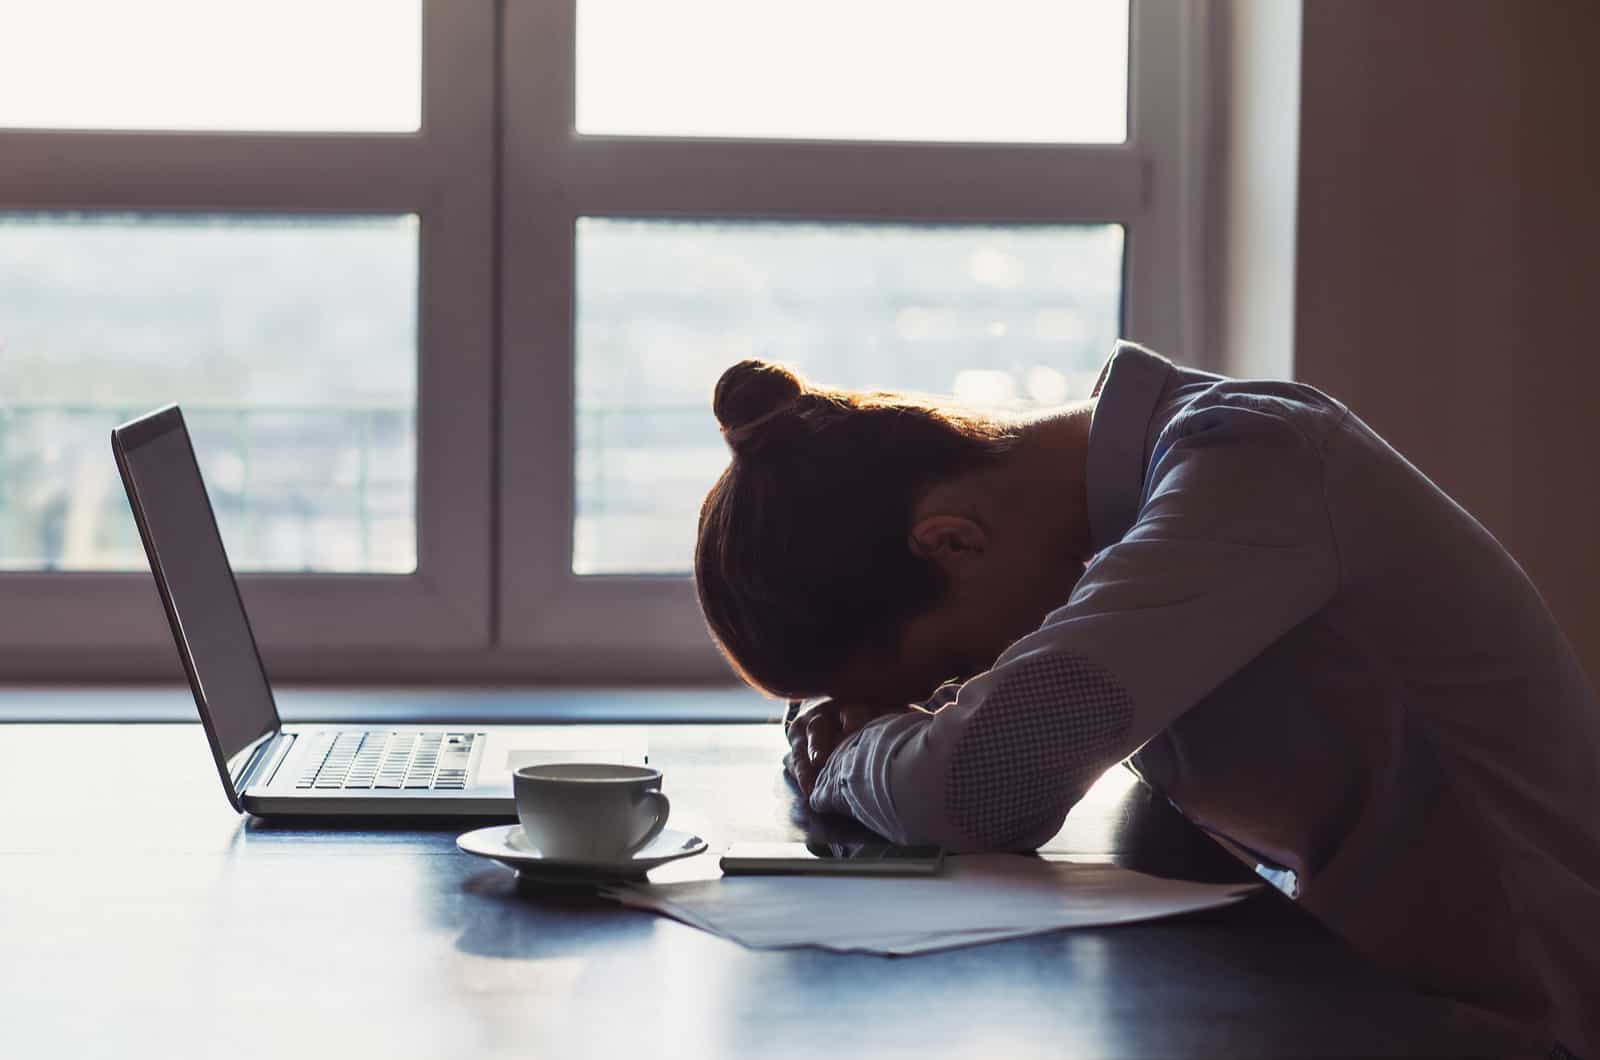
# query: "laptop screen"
187, 557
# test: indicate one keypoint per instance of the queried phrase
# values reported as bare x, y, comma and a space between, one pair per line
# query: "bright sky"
955, 70
999, 70
305, 65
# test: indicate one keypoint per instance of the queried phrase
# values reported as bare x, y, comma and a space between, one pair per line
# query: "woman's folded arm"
1232, 550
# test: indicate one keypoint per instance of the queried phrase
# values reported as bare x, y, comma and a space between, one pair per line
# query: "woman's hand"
814, 735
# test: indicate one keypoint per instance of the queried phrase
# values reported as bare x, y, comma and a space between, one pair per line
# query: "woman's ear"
951, 541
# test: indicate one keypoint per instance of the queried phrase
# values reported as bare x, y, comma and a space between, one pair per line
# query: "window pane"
291, 65
1014, 316
290, 342
1000, 71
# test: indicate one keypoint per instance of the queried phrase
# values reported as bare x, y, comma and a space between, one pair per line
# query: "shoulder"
1261, 411
1244, 453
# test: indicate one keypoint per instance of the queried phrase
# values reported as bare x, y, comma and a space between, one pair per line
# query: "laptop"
272, 769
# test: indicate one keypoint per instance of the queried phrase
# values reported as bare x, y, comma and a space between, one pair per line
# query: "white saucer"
507, 844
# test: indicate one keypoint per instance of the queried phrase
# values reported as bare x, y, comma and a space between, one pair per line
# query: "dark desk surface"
140, 916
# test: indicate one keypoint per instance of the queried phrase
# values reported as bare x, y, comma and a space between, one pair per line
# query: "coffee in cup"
583, 811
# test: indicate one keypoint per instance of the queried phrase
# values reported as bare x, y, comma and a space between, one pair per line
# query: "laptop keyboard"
397, 761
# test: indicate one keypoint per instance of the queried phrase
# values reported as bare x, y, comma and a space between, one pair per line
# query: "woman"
1301, 641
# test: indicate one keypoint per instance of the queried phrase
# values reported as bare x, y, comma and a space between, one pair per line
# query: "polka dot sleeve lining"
1045, 732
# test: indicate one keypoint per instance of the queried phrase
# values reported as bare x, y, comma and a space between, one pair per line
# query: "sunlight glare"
1027, 71
293, 65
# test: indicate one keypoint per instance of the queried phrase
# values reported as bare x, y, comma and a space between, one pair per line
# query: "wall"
1255, 135
1448, 272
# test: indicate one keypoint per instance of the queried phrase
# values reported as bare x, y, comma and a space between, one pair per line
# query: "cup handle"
663, 808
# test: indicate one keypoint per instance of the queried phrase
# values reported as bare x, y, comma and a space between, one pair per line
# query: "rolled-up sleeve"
1232, 547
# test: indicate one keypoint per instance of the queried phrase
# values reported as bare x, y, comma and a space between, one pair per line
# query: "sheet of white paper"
978, 898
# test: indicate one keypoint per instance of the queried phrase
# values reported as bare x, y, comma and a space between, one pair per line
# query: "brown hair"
803, 564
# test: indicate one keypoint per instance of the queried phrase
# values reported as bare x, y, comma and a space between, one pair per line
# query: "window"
444, 308
999, 315
292, 340
303, 262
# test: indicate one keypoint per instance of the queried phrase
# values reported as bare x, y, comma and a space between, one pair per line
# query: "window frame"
1151, 184
73, 622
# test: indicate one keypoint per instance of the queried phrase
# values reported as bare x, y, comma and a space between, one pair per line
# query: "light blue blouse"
1316, 655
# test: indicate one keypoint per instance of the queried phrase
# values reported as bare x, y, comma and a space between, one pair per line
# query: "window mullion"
160, 171
910, 182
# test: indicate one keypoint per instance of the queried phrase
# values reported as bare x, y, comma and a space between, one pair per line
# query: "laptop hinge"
261, 760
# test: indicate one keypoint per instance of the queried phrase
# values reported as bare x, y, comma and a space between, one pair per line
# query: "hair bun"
750, 394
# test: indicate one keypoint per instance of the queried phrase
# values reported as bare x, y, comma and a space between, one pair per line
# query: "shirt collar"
1130, 386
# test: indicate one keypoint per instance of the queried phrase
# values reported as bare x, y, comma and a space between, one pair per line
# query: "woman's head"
804, 563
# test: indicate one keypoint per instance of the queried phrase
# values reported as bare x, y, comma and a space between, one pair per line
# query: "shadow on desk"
1258, 978
1254, 979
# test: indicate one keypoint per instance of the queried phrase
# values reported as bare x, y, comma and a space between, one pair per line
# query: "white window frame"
91, 623
646, 625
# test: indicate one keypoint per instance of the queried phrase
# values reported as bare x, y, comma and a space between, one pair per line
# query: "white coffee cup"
584, 811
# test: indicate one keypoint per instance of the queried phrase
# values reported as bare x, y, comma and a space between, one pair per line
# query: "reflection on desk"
139, 914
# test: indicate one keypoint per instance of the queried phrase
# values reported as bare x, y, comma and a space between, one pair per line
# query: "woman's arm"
1232, 549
